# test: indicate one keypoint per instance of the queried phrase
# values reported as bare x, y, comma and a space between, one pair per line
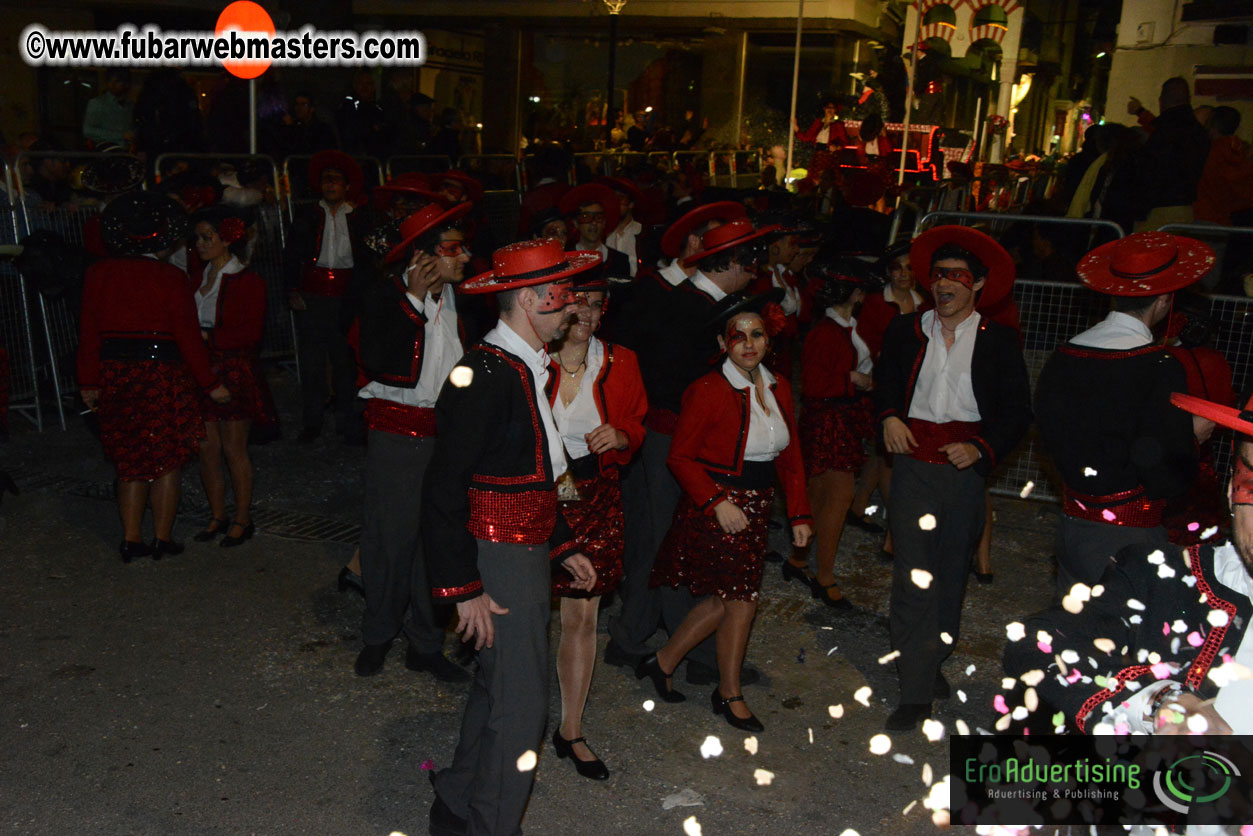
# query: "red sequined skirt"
597, 523
239, 372
698, 554
834, 435
150, 418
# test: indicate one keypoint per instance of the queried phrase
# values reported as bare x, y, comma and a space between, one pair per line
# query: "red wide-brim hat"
723, 210
1240, 420
733, 233
592, 193
529, 263
410, 183
429, 217
472, 188
342, 162
623, 186
1145, 264
1000, 264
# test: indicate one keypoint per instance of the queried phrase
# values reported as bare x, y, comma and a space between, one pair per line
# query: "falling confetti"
1003, 723
998, 703
1104, 645
1209, 532
905, 759
526, 761
1089, 471
750, 745
933, 729
883, 660
1031, 699
880, 744
711, 748
649, 705
1165, 571
1072, 605
1194, 526
1108, 515
1180, 626
1197, 724
871, 510
1026, 490
927, 522
946, 638
961, 695
921, 578
1059, 718
1217, 618
1156, 557
461, 376
1195, 639
862, 695
836, 711
764, 777
1007, 684
427, 765
1135, 604
1015, 631
691, 826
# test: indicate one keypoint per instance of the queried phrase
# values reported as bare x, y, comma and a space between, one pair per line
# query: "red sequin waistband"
527, 517
931, 437
1129, 508
661, 420
391, 417
324, 281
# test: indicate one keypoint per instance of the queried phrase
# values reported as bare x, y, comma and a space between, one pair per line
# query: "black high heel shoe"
350, 580
820, 592
792, 572
212, 530
722, 705
651, 668
594, 769
245, 533
161, 548
131, 550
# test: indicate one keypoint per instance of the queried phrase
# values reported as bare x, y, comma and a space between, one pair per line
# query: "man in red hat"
325, 266
622, 236
953, 400
592, 208
1103, 406
409, 342
491, 530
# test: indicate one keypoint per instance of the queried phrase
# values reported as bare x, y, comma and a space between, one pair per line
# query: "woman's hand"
730, 517
220, 395
897, 437
581, 568
91, 398
801, 534
295, 301
605, 438
862, 382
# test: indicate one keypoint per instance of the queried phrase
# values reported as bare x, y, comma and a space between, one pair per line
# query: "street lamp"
614, 7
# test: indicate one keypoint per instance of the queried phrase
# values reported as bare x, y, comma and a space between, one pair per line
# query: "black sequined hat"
139, 223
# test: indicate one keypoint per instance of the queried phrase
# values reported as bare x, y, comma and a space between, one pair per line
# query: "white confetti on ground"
850, 832
862, 695
1015, 631
927, 774
526, 761
750, 745
836, 711
921, 578
938, 798
927, 522
962, 728
686, 797
1026, 490
883, 660
933, 729
711, 748
649, 705
946, 638
911, 805
905, 759
1217, 618
880, 744
764, 777
970, 669
961, 695
691, 826
1089, 471
461, 376
811, 735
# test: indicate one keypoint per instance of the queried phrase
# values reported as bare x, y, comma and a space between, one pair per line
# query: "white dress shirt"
207, 299
502, 336
767, 433
441, 349
703, 282
624, 241
673, 273
1117, 331
944, 391
865, 364
578, 419
891, 300
791, 303
336, 252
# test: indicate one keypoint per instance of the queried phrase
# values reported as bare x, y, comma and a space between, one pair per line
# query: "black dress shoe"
864, 523
651, 668
349, 579
615, 655
210, 531
443, 821
722, 705
309, 435
162, 548
773, 524
907, 716
886, 556
131, 550
702, 674
942, 689
594, 769
982, 577
773, 556
370, 659
435, 664
245, 534
792, 572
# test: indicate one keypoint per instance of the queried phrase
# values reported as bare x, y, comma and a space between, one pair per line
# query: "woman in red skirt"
598, 403
230, 301
837, 418
735, 435
140, 362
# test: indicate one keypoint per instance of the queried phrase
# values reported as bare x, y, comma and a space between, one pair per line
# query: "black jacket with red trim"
490, 441
710, 438
304, 245
391, 335
1107, 423
619, 395
1118, 635
998, 376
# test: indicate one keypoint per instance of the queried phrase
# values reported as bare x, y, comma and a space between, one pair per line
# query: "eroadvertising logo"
1172, 787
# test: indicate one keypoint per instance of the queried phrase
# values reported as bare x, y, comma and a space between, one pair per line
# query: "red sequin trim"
541, 438
1122, 678
1105, 353
454, 591
931, 437
323, 281
391, 417
1214, 641
526, 517
1116, 509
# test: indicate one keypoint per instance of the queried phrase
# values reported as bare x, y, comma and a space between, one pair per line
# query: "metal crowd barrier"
497, 172
300, 191
998, 222
16, 332
421, 163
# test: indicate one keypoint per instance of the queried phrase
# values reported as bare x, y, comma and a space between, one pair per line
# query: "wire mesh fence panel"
16, 335
60, 332
278, 342
496, 172
502, 210
1234, 338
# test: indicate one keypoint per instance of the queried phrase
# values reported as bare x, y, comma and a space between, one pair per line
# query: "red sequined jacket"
490, 476
141, 299
619, 395
710, 438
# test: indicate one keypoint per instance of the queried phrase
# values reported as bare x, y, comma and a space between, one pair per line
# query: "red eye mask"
954, 274
556, 297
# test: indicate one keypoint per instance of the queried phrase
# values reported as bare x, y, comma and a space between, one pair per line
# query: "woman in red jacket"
837, 422
598, 402
140, 360
230, 301
735, 435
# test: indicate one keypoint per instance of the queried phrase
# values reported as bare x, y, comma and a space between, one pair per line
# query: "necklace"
576, 370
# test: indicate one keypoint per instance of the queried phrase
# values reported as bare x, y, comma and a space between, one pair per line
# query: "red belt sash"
391, 417
931, 437
526, 517
1127, 508
326, 281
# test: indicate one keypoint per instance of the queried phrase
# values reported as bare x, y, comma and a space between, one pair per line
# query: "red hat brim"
765, 230
1194, 260
577, 261
447, 216
339, 160
1240, 420
625, 186
592, 193
1000, 264
676, 234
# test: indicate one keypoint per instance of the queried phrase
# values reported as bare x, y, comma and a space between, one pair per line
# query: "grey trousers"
321, 339
1086, 548
508, 704
955, 498
393, 571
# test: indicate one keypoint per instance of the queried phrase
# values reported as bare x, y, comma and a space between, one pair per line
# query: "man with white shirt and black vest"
491, 530
1103, 406
409, 340
953, 400
325, 266
1190, 675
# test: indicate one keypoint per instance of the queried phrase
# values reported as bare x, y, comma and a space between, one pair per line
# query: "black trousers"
321, 340
1085, 548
